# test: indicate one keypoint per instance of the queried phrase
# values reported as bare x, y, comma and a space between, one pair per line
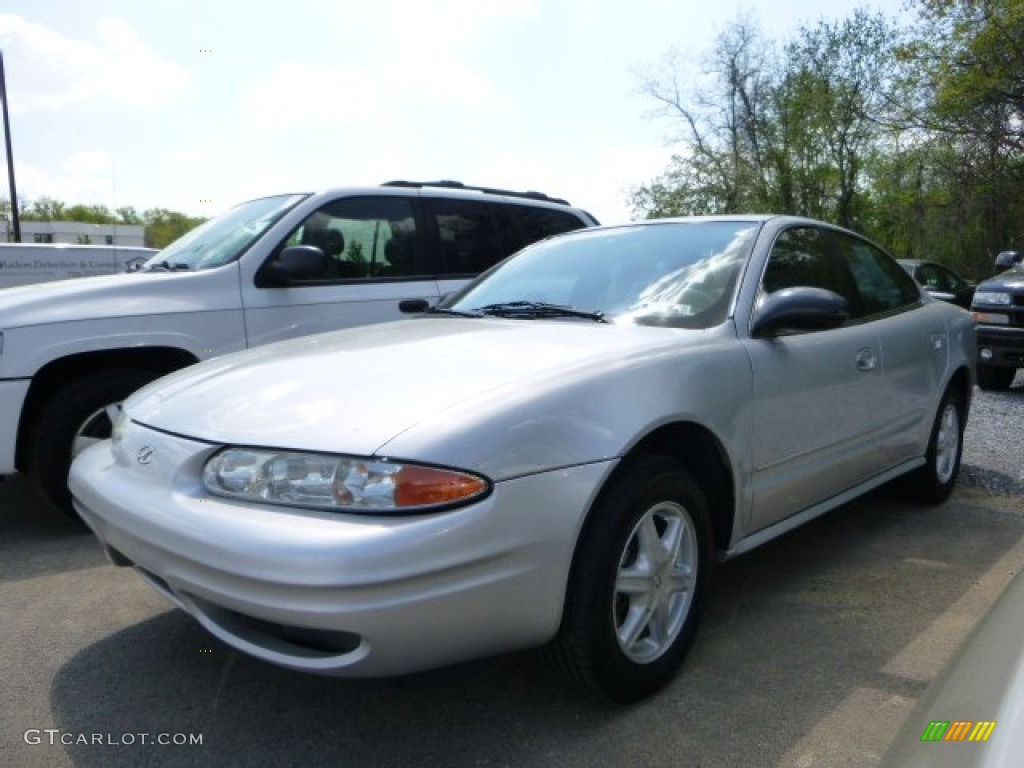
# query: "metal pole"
10, 155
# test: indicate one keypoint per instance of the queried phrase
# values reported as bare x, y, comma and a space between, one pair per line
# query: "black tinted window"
802, 256
952, 281
537, 223
883, 284
469, 238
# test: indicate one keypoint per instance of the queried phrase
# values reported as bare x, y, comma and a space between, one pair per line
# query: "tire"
72, 418
995, 379
934, 482
632, 606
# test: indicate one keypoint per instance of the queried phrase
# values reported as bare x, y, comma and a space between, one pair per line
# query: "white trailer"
25, 263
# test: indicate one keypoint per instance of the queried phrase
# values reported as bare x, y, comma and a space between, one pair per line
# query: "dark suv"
998, 308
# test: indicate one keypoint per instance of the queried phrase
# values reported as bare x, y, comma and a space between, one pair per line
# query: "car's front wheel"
991, 377
639, 575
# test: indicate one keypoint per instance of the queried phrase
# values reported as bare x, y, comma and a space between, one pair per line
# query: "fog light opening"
985, 353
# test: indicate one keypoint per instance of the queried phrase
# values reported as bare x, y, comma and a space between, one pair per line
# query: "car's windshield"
677, 274
225, 237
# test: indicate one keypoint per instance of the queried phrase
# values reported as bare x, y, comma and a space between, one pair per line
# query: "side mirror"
413, 306
297, 262
798, 309
1008, 259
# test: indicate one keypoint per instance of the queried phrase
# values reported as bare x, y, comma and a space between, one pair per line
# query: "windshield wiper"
167, 266
454, 312
539, 309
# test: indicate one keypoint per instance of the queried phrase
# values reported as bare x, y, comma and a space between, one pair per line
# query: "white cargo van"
26, 263
269, 269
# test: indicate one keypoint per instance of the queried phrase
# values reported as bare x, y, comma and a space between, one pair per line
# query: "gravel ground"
994, 441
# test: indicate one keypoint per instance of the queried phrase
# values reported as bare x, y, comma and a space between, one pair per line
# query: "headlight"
996, 298
349, 483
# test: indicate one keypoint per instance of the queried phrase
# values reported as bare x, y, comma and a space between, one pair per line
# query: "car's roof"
722, 217
449, 189
747, 218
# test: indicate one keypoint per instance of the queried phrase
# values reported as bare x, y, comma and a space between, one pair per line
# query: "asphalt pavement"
814, 650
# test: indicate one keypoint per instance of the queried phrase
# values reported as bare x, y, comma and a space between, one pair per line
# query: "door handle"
866, 359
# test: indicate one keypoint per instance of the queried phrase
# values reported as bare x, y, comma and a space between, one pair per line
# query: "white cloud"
426, 37
47, 71
419, 44
297, 93
83, 177
426, 30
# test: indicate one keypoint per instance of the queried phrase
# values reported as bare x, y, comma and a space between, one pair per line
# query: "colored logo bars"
958, 730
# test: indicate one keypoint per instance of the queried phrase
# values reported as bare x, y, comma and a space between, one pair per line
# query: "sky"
197, 105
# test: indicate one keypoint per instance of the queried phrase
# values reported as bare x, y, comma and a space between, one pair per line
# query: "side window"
929, 277
469, 239
801, 256
950, 280
883, 285
537, 223
363, 237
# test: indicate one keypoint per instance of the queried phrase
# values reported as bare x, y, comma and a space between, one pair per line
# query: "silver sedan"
555, 455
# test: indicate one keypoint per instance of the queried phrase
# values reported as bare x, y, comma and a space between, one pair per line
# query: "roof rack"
449, 184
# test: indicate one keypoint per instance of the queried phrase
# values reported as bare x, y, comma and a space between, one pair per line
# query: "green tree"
766, 132
835, 89
721, 123
164, 226
45, 209
128, 215
966, 60
93, 214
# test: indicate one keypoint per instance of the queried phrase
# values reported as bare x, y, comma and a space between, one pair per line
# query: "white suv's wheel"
73, 418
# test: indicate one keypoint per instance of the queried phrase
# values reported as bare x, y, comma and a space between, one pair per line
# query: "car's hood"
107, 296
354, 390
1010, 279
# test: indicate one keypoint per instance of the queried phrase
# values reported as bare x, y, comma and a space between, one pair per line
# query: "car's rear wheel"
934, 482
991, 377
73, 418
638, 580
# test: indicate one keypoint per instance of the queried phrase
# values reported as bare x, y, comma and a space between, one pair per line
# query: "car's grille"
302, 642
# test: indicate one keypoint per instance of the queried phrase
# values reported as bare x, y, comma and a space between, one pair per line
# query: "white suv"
269, 269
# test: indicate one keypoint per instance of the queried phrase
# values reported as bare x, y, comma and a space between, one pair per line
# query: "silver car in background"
555, 455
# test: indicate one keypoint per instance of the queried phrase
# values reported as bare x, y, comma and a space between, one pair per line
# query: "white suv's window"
469, 238
366, 237
225, 237
537, 223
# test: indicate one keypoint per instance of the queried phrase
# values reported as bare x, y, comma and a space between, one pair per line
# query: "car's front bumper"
339, 594
1005, 346
12, 399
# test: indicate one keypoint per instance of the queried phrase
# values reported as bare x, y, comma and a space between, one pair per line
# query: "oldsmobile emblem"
145, 455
